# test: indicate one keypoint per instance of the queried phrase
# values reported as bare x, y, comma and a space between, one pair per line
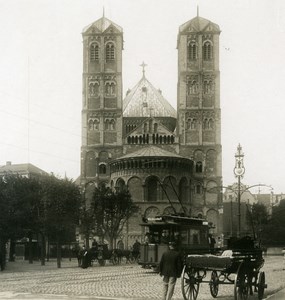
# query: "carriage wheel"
241, 286
261, 285
190, 283
214, 284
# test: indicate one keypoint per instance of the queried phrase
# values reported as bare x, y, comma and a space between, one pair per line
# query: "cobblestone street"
127, 281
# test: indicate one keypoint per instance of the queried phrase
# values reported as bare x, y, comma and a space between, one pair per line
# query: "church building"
169, 160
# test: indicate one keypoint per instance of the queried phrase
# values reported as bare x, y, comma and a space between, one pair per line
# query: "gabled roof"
21, 169
198, 24
144, 100
151, 151
101, 25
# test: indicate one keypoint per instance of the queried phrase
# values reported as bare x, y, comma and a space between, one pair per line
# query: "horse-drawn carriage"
101, 253
239, 266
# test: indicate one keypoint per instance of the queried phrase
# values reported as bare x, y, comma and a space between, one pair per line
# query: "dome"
144, 100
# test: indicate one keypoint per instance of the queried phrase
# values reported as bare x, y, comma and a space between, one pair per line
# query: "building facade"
170, 160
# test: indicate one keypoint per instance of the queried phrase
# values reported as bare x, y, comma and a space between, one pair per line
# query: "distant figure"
165, 237
84, 258
211, 241
95, 244
170, 267
136, 249
147, 238
177, 238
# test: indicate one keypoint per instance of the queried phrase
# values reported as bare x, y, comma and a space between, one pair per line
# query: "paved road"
33, 281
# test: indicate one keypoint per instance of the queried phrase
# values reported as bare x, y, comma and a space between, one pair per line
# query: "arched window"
152, 189
198, 188
207, 50
191, 123
199, 167
183, 195
192, 87
110, 89
107, 124
120, 185
94, 89
91, 124
94, 52
192, 51
110, 51
112, 124
102, 169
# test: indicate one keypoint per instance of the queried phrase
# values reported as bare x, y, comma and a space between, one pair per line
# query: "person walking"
170, 267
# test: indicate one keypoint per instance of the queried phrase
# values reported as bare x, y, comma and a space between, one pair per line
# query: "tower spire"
103, 11
197, 11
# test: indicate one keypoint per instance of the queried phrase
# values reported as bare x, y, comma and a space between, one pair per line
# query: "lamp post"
239, 172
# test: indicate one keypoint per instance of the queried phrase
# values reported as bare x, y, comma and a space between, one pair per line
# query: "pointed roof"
144, 100
101, 25
199, 24
151, 151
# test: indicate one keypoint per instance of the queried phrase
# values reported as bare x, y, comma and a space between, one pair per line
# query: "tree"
61, 202
257, 218
274, 233
111, 212
19, 198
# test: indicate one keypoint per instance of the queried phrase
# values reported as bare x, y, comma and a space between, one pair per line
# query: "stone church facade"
170, 160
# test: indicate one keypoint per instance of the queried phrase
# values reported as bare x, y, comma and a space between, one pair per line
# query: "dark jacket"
171, 264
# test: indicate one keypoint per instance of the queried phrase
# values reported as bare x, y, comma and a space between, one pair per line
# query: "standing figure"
136, 249
170, 268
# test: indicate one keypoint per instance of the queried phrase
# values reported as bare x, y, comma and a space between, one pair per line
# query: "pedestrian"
170, 267
136, 249
84, 258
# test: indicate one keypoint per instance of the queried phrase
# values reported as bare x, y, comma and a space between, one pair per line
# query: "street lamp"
239, 172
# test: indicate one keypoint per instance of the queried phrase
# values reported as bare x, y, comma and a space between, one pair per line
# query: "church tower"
102, 99
198, 111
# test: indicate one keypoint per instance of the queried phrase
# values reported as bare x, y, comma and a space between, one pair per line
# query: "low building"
27, 170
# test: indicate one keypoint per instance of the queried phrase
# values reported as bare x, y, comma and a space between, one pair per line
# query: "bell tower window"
110, 51
94, 52
192, 51
207, 50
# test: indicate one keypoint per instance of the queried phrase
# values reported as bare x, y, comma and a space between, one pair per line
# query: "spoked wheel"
190, 282
261, 285
214, 284
241, 286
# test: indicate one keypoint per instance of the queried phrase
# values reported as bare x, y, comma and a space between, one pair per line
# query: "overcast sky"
41, 76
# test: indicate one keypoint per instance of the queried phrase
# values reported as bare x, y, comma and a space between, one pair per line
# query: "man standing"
170, 268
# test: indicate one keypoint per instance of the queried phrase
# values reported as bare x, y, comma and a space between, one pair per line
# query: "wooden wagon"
239, 267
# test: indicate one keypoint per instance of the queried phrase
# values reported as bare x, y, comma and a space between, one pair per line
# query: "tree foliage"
274, 232
46, 205
111, 211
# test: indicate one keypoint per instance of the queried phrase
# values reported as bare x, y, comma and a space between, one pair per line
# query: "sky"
41, 76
